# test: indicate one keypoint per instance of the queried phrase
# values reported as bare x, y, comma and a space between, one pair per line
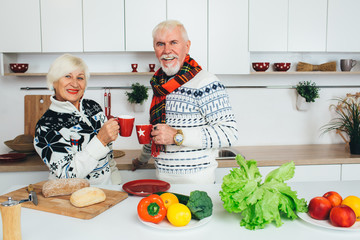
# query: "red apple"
342, 216
334, 198
319, 208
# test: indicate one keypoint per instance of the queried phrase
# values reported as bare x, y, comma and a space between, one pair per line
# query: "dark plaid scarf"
161, 88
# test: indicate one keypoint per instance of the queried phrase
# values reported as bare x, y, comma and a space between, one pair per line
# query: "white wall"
265, 116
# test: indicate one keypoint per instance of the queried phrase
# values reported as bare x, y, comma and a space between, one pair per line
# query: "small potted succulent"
307, 93
137, 96
347, 121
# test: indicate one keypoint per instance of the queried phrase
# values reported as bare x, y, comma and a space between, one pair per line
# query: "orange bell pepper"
151, 209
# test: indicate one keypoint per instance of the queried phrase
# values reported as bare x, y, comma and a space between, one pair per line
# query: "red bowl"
260, 66
283, 67
19, 67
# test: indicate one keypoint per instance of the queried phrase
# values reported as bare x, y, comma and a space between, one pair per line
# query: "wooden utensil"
11, 214
61, 204
34, 107
11, 222
327, 67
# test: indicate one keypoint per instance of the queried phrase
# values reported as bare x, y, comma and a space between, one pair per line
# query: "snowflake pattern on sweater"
62, 139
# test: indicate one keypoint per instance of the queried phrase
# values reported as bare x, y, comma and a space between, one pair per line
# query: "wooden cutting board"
61, 204
34, 107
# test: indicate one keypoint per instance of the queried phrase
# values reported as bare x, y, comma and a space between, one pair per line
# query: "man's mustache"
168, 56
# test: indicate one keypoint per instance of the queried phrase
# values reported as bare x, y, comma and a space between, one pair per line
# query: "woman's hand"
163, 134
109, 132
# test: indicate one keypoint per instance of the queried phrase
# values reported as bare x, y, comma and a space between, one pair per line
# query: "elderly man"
190, 112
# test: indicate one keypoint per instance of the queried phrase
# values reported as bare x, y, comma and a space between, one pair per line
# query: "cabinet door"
193, 14
306, 173
350, 172
140, 19
103, 25
20, 26
343, 26
228, 55
303, 173
61, 25
268, 25
307, 25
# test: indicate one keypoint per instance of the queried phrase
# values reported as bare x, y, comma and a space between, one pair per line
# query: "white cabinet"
268, 25
307, 25
141, 16
193, 14
303, 173
306, 173
343, 26
103, 25
228, 37
350, 172
20, 26
288, 25
61, 25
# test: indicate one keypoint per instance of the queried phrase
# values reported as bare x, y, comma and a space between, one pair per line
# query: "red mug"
126, 123
152, 67
134, 67
143, 133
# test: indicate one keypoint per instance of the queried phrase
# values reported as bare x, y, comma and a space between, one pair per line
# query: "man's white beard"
170, 71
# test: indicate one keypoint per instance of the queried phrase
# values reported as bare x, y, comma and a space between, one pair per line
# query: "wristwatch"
179, 137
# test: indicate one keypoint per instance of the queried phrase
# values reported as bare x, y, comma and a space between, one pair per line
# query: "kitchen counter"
121, 221
315, 154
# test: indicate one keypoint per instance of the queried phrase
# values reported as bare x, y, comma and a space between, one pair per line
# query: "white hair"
64, 65
170, 25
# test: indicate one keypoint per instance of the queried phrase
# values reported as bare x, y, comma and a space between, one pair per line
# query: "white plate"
165, 225
327, 224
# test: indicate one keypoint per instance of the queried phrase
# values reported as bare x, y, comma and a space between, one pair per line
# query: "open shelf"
92, 74
304, 73
152, 73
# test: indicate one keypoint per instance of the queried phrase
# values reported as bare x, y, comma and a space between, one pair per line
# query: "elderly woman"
73, 137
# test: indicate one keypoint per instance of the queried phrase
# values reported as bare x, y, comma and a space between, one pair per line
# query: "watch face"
178, 138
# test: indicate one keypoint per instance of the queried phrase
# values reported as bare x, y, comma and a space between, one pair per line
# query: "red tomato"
334, 198
342, 216
319, 208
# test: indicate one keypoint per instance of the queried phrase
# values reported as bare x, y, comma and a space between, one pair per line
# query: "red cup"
152, 67
126, 123
143, 133
134, 67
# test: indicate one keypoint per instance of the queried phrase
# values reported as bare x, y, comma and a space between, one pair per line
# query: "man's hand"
163, 134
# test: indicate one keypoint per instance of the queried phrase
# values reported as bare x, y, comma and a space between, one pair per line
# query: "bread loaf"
87, 196
65, 186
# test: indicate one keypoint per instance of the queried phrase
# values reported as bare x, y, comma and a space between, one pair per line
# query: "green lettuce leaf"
281, 174
260, 203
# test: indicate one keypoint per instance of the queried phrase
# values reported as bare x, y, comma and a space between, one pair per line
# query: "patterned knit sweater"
201, 109
65, 139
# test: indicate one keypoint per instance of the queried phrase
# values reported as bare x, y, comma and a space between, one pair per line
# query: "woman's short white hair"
64, 65
170, 25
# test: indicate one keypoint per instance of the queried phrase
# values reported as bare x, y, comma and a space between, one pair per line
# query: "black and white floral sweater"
66, 141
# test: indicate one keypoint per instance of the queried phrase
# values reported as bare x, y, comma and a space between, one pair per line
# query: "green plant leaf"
138, 94
308, 90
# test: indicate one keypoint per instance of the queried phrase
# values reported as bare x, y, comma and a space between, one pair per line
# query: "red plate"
12, 157
145, 187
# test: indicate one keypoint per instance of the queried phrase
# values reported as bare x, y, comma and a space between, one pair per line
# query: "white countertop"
121, 221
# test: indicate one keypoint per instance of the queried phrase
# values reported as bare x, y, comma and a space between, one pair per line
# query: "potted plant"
307, 93
137, 96
347, 121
